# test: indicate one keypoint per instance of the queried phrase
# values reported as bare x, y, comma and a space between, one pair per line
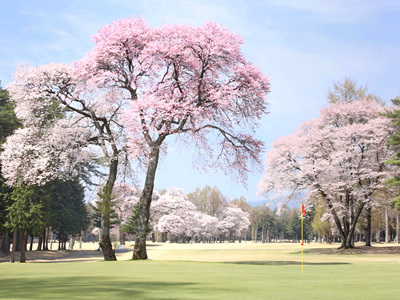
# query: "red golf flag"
303, 209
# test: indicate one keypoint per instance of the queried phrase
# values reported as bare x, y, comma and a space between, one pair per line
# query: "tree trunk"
369, 227
105, 240
263, 233
5, 243
348, 241
106, 245
397, 228
19, 241
46, 242
349, 224
336, 219
121, 237
386, 225
139, 250
378, 233
51, 240
44, 239
39, 246
14, 243
23, 247
31, 244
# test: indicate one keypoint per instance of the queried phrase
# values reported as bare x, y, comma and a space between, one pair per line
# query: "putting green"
333, 276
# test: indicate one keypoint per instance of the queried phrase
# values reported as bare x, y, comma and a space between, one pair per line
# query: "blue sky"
303, 46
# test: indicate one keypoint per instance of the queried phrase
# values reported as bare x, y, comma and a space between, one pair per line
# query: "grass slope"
325, 276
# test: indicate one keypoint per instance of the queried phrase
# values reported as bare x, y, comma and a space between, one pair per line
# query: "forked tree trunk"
348, 241
346, 228
139, 250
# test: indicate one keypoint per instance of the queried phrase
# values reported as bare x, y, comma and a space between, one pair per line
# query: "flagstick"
302, 245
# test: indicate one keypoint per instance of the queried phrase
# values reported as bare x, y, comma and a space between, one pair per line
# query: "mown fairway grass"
263, 272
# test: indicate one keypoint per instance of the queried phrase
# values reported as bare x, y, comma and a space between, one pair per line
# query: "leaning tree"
338, 157
188, 82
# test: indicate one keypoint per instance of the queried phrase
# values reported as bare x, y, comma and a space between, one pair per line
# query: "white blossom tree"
339, 157
62, 114
208, 227
173, 202
234, 222
172, 225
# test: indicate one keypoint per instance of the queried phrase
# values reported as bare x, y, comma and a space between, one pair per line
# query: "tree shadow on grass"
286, 263
152, 245
84, 287
357, 250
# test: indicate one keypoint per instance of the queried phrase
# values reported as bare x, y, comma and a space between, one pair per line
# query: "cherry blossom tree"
62, 114
191, 82
174, 202
36, 156
338, 157
234, 222
196, 225
173, 225
208, 227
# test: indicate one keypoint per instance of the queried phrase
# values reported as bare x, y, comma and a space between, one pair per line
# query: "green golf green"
335, 276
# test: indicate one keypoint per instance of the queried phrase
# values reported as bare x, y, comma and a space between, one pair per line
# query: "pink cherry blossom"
339, 156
